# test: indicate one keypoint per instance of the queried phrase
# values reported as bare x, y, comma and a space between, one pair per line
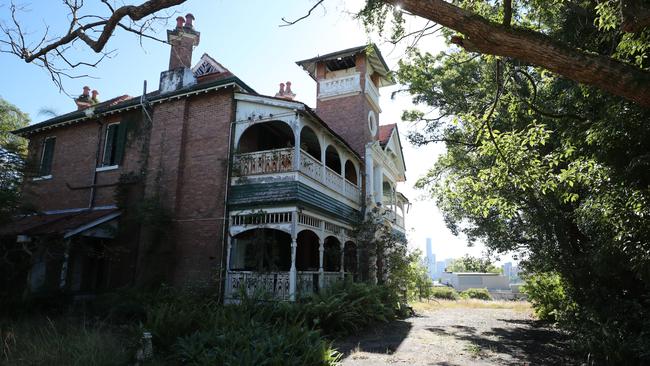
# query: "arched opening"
332, 255
307, 256
266, 136
332, 159
309, 142
261, 250
350, 261
351, 172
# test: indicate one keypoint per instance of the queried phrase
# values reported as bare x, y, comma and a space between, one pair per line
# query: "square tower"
348, 85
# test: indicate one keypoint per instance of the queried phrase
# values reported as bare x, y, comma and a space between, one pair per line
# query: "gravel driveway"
459, 336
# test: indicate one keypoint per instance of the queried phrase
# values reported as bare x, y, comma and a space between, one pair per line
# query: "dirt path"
459, 335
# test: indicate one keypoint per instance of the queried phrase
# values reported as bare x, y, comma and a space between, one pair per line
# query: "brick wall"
188, 168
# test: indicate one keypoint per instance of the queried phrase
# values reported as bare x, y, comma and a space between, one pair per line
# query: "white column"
369, 176
296, 151
321, 271
379, 184
342, 260
292, 272
323, 146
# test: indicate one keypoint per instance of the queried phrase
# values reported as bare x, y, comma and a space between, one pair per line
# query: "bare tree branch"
292, 22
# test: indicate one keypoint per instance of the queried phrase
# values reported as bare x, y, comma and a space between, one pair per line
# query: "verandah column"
321, 271
228, 279
294, 246
342, 259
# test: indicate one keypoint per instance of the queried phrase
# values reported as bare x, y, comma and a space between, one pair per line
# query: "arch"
261, 250
332, 254
350, 254
307, 256
266, 136
351, 172
333, 159
309, 142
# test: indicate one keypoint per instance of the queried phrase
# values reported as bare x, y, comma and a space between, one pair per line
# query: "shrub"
547, 295
446, 293
476, 293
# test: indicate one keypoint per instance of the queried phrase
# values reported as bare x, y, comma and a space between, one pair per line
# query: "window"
114, 144
45, 167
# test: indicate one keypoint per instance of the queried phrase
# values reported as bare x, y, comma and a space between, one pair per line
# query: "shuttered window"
114, 144
45, 168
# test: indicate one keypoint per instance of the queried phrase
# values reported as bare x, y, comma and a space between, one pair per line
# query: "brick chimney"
183, 39
285, 92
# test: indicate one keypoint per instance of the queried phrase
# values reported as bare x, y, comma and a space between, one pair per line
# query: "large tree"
540, 164
519, 30
13, 150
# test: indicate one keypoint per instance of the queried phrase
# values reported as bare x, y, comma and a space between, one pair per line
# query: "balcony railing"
276, 284
264, 162
281, 161
339, 86
372, 91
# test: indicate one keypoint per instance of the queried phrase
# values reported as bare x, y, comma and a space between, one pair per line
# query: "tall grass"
63, 341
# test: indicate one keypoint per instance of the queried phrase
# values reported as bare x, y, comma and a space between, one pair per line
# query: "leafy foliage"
553, 170
13, 150
467, 263
476, 293
548, 296
446, 293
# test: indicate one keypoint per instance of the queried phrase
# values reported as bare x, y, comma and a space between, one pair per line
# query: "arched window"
307, 256
261, 250
309, 142
332, 159
266, 136
351, 172
332, 255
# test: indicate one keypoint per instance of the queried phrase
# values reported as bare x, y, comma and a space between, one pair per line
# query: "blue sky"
245, 37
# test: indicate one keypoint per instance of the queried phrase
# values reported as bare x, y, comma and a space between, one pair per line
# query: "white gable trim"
207, 65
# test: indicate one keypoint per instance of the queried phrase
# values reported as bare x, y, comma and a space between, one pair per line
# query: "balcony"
372, 93
276, 161
343, 85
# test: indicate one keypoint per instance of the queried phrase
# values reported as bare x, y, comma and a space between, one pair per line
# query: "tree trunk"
481, 35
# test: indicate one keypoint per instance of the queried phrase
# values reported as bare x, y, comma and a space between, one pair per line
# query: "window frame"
113, 162
48, 174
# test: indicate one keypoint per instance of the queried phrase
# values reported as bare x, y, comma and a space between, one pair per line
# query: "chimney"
285, 93
183, 39
83, 101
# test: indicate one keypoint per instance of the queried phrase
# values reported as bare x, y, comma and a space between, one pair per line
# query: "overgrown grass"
476, 293
520, 306
447, 293
63, 341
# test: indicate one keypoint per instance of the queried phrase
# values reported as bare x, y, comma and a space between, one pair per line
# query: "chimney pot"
189, 19
288, 90
179, 22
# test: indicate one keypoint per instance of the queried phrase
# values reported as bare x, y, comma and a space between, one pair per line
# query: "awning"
64, 224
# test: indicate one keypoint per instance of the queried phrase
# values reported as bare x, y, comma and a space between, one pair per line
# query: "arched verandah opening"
333, 159
309, 143
261, 250
351, 173
332, 255
266, 136
307, 256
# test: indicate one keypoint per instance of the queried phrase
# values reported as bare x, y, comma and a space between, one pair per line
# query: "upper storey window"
47, 155
114, 144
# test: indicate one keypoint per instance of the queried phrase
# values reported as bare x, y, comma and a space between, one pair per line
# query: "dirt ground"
460, 333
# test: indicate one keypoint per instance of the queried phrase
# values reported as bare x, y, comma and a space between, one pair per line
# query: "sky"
245, 37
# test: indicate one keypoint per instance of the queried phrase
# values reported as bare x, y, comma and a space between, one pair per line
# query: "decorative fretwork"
204, 69
264, 162
309, 220
261, 218
275, 285
333, 228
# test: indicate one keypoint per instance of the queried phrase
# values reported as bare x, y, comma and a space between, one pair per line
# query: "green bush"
238, 342
446, 293
548, 296
476, 293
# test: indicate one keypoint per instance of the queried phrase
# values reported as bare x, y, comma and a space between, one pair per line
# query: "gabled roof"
385, 132
207, 65
114, 106
371, 51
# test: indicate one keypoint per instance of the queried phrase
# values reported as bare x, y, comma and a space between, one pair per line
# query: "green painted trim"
261, 195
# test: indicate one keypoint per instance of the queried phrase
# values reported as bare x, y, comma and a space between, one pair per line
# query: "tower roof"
345, 59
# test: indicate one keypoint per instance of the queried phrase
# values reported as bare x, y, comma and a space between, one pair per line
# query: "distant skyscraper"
507, 269
440, 267
431, 259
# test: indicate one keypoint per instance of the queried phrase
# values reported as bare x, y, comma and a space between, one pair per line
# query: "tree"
554, 170
520, 30
13, 150
467, 263
52, 51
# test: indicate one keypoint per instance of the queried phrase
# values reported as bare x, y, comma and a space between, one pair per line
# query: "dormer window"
114, 145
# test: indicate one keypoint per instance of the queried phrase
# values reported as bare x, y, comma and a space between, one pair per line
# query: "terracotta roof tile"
385, 131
